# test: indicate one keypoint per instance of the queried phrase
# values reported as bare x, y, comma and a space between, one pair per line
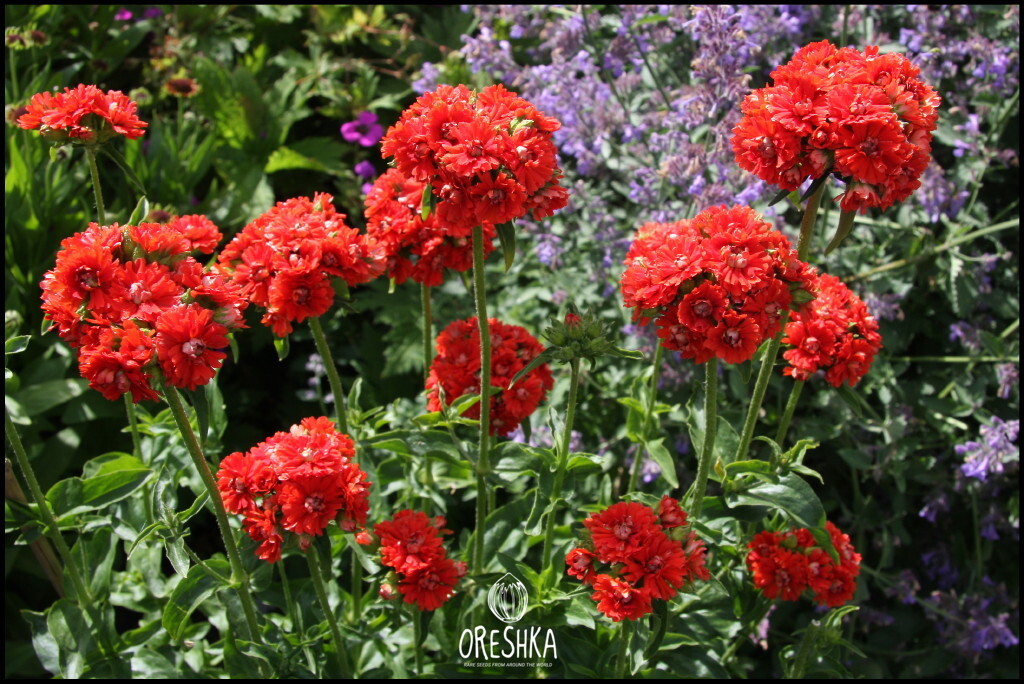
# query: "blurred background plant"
249, 105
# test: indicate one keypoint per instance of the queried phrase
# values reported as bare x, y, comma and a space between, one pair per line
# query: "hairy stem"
563, 460
340, 410
652, 398
321, 594
707, 450
483, 464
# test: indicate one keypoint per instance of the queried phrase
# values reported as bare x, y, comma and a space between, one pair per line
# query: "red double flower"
488, 156
716, 285
296, 481
411, 544
865, 117
652, 555
138, 307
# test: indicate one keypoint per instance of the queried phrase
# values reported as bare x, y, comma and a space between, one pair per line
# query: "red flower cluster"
415, 247
717, 285
84, 114
296, 481
784, 564
135, 304
652, 556
864, 116
285, 259
488, 156
456, 371
835, 332
411, 544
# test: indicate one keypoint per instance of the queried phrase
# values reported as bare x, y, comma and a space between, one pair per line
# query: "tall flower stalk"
239, 576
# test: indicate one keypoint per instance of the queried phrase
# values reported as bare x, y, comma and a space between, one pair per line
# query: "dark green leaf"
140, 212
664, 459
845, 224
175, 549
507, 236
109, 478
790, 495
189, 593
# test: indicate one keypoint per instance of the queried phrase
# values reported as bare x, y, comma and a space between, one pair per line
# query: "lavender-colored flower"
905, 587
364, 169
884, 307
364, 130
938, 565
1008, 377
935, 504
152, 13
967, 334
430, 78
996, 448
975, 623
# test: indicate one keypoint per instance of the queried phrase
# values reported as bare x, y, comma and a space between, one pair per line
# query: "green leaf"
507, 236
282, 347
189, 593
175, 549
43, 641
17, 344
109, 478
41, 397
753, 467
150, 664
119, 159
842, 230
140, 212
632, 354
544, 357
779, 196
72, 634
790, 495
664, 459
426, 202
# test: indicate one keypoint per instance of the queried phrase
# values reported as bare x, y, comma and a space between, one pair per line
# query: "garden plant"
512, 341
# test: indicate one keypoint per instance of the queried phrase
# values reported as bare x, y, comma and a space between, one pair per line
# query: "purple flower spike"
364, 130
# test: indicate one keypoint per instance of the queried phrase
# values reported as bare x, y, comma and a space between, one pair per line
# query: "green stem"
238, 574
483, 465
787, 416
652, 397
428, 330
764, 375
625, 636
340, 411
707, 450
94, 173
417, 640
803, 654
563, 460
900, 263
201, 563
52, 530
356, 589
321, 593
130, 407
289, 602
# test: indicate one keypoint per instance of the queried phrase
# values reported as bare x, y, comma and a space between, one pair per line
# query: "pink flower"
364, 130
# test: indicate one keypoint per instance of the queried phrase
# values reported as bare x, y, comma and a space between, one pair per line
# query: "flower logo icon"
507, 599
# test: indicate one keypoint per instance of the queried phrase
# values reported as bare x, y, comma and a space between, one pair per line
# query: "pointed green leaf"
545, 356
779, 196
189, 593
426, 202
16, 345
507, 236
282, 347
845, 224
140, 212
664, 459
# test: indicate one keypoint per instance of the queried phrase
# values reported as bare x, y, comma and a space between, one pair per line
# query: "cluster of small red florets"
136, 305
488, 156
286, 258
415, 247
83, 114
834, 332
652, 555
455, 371
296, 481
411, 544
785, 564
864, 116
717, 285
